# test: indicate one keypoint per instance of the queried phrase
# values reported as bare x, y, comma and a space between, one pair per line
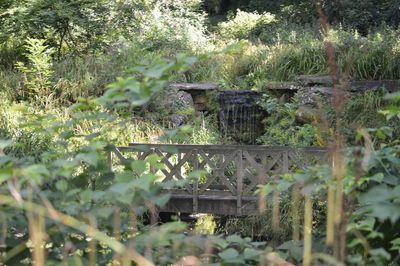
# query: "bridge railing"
232, 172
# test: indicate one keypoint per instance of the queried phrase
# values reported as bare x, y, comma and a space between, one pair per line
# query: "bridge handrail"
238, 169
185, 147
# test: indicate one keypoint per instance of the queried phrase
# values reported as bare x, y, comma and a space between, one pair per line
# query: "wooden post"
109, 160
196, 182
285, 165
179, 161
239, 182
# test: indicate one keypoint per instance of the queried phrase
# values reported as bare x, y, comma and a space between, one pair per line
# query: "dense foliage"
79, 77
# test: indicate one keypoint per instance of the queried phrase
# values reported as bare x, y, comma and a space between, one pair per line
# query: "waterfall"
240, 117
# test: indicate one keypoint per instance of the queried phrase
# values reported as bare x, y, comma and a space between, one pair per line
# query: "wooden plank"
196, 183
261, 174
208, 194
285, 165
214, 197
120, 157
222, 176
109, 160
219, 173
222, 147
206, 205
239, 182
251, 160
144, 154
210, 179
207, 159
273, 161
176, 171
164, 158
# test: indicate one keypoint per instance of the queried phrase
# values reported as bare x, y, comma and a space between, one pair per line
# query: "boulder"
171, 105
309, 96
309, 80
194, 86
306, 115
177, 120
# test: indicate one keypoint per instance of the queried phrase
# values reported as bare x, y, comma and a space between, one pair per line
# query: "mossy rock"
170, 103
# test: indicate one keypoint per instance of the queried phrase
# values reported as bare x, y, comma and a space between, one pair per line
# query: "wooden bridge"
231, 173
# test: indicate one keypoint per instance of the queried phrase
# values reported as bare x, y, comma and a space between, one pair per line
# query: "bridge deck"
231, 172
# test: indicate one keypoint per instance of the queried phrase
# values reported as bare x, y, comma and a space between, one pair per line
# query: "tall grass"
370, 57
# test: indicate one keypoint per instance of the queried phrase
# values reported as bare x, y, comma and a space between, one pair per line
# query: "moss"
281, 127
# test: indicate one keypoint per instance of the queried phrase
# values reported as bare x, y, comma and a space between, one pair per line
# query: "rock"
282, 86
389, 85
315, 80
309, 96
177, 120
172, 105
306, 115
170, 101
194, 86
200, 102
200, 99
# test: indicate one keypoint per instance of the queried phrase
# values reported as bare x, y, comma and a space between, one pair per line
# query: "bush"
245, 25
177, 25
38, 71
360, 58
281, 127
26, 142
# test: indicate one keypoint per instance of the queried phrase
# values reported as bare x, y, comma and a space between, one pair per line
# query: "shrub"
372, 57
245, 25
26, 142
282, 127
38, 71
177, 25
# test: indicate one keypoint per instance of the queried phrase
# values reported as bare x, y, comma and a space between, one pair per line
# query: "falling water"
240, 117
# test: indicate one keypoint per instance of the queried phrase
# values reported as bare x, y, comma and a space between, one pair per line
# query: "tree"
77, 24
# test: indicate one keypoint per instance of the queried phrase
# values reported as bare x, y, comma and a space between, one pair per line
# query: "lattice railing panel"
230, 169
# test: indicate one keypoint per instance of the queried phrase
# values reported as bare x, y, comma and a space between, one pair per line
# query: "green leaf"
4, 143
229, 254
234, 239
124, 177
355, 242
378, 177
120, 188
355, 259
376, 194
265, 190
90, 158
62, 185
385, 211
220, 242
97, 195
251, 254
5, 173
144, 182
381, 253
152, 159
35, 173
284, 185
161, 200
139, 166
295, 249
85, 196
395, 244
103, 212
